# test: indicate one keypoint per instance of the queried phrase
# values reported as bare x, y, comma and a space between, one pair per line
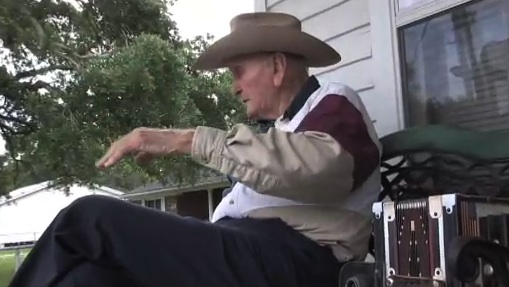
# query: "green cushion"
476, 145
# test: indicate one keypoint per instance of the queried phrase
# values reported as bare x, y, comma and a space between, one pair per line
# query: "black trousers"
101, 241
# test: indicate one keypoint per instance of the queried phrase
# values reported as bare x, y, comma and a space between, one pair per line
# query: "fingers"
144, 143
102, 161
114, 154
114, 157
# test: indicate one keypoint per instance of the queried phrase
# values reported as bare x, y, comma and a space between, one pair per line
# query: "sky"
199, 17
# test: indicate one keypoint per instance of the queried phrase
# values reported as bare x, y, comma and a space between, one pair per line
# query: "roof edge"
183, 189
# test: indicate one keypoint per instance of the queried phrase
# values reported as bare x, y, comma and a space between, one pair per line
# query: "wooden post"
17, 258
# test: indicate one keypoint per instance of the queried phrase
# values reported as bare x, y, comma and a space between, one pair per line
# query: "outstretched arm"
331, 147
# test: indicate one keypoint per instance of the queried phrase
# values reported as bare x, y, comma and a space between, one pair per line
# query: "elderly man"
301, 203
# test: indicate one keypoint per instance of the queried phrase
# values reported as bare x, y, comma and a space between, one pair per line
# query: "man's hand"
147, 143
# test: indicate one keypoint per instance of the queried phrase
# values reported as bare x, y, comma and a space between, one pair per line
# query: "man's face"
255, 81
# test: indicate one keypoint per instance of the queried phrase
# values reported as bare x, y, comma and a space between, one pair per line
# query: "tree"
74, 77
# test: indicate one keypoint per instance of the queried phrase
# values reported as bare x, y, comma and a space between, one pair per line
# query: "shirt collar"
265, 125
300, 99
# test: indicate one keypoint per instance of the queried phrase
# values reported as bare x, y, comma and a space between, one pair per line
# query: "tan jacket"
323, 155
297, 166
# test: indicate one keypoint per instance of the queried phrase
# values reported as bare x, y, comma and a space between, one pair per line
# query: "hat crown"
265, 19
252, 33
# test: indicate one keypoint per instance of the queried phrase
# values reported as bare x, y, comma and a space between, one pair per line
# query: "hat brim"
315, 52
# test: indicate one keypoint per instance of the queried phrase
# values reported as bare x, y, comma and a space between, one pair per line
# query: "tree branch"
16, 120
40, 85
36, 72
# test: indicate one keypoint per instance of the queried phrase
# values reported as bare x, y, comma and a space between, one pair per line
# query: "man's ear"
279, 65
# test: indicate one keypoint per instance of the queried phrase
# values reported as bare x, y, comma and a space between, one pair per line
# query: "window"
405, 4
155, 203
170, 203
455, 64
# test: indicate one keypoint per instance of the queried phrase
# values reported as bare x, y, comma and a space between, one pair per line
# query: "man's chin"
251, 115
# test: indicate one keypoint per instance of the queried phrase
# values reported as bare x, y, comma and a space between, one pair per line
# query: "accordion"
412, 237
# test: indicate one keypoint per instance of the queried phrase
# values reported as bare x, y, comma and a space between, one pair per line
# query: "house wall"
353, 29
193, 204
24, 219
196, 203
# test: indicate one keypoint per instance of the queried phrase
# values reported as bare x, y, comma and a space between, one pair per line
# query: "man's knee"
92, 204
94, 200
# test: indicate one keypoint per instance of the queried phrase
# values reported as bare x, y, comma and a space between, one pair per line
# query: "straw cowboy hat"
267, 32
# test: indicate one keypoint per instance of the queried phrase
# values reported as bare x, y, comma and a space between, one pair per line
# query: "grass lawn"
7, 265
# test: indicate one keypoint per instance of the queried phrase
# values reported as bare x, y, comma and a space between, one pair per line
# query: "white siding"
259, 5
302, 11
346, 26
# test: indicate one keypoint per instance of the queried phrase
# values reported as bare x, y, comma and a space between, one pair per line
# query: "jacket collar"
265, 125
298, 102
